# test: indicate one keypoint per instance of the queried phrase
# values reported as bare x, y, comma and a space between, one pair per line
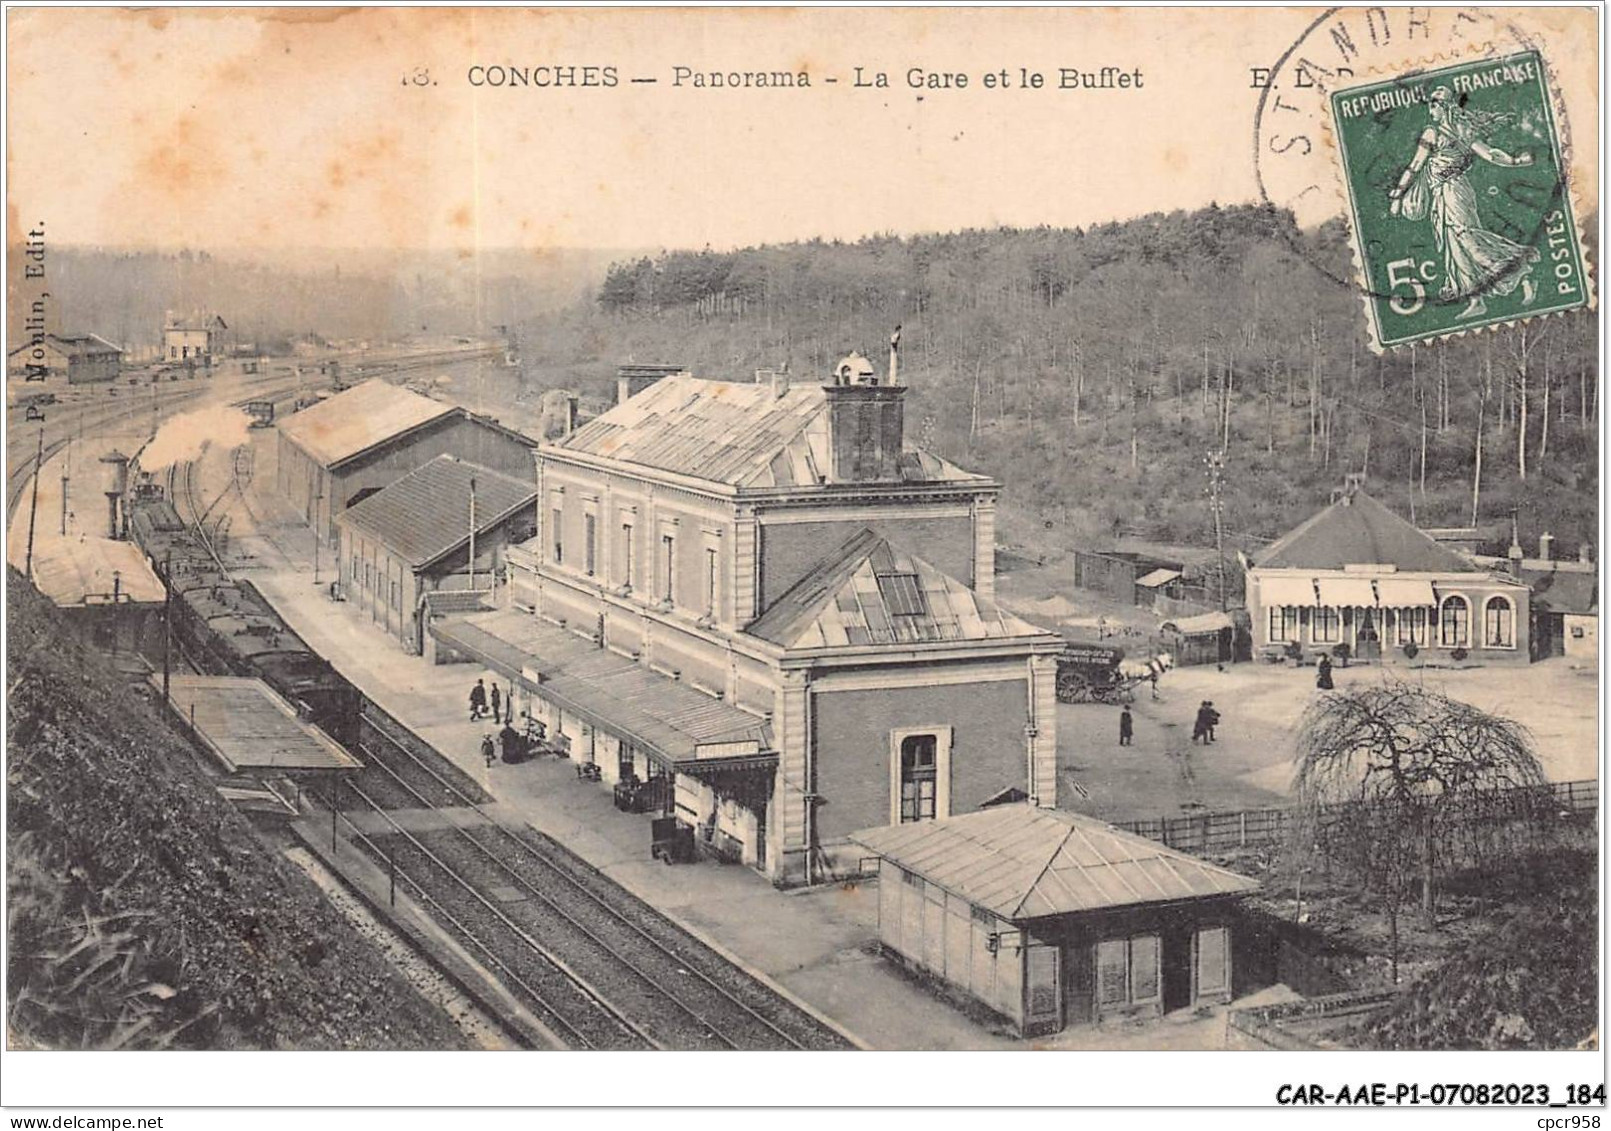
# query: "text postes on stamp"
1458, 200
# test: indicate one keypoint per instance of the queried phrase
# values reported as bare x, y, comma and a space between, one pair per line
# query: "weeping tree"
1385, 770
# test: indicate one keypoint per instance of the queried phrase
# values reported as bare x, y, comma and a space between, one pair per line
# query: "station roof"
1158, 577
247, 726
735, 433
869, 592
359, 419
1358, 530
677, 723
1021, 862
75, 345
425, 515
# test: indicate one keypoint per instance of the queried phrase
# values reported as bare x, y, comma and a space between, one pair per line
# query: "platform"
249, 728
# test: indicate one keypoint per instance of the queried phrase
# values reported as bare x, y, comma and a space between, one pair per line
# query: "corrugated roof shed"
1023, 862
739, 434
619, 694
425, 515
869, 592
364, 416
1358, 530
75, 345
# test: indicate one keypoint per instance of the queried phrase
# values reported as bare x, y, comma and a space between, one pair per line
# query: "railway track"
683, 994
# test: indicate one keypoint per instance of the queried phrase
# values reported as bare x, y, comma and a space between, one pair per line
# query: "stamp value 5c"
1459, 205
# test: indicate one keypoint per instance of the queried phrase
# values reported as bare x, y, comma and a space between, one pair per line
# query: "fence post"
1243, 841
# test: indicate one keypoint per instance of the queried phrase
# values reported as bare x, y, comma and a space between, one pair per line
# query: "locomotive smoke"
189, 434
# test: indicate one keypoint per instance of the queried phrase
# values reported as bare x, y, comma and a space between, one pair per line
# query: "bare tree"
1381, 766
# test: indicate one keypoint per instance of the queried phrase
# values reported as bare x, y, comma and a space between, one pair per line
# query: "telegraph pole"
167, 629
33, 505
1216, 503
472, 532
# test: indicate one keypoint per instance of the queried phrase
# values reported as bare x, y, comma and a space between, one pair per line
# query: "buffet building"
759, 596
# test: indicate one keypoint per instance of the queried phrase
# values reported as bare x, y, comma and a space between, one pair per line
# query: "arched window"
1499, 623
1454, 622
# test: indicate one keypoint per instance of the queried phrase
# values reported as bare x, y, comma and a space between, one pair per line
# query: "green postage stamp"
1458, 197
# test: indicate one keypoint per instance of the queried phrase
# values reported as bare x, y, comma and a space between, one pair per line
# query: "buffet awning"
1347, 592
1405, 592
1286, 590
1201, 623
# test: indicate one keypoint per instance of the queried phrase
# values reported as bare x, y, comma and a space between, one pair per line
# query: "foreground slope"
143, 910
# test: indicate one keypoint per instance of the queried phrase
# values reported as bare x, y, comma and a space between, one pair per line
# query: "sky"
361, 128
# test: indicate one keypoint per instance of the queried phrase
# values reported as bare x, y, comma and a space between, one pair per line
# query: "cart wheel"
666, 859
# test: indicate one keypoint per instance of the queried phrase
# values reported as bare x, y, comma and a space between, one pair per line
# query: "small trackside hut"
1050, 919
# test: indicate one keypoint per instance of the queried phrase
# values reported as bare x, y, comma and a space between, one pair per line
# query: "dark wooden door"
1079, 998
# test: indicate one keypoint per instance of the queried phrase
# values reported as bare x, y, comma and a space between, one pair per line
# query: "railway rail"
682, 993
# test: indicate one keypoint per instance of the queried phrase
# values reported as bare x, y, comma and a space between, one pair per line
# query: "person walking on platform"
511, 742
1127, 728
1210, 719
478, 700
497, 705
1199, 726
1323, 674
489, 753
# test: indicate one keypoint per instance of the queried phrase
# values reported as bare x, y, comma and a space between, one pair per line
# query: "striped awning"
1347, 592
1286, 590
1405, 592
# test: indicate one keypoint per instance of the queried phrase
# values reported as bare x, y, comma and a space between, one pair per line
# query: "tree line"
1095, 370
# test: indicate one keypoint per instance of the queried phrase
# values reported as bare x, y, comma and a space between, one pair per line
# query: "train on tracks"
223, 626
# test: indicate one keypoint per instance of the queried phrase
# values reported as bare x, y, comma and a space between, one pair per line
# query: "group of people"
478, 704
1207, 720
1202, 729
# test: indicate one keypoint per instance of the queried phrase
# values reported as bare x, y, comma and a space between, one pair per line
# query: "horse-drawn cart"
1089, 673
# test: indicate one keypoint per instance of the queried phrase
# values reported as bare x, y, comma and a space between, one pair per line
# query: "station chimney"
866, 423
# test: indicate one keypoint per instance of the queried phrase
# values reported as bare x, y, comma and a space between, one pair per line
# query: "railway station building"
760, 594
414, 538
1050, 919
344, 449
1358, 574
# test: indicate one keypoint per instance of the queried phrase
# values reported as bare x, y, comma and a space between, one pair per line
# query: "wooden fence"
1255, 828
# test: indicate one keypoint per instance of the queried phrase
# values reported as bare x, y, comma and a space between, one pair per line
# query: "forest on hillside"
271, 299
1097, 372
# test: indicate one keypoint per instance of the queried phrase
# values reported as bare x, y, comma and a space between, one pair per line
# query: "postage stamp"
1458, 198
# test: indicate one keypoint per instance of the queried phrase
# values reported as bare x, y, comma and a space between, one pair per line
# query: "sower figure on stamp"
1476, 261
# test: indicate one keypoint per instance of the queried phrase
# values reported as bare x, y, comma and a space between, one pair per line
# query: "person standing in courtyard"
497, 704
1323, 674
478, 700
1127, 728
1199, 726
1210, 720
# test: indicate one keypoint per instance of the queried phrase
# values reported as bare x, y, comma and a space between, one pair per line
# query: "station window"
919, 777
1499, 623
1327, 626
355, 567
626, 554
589, 544
558, 533
1454, 627
1127, 971
1283, 624
712, 573
393, 585
1412, 626
668, 567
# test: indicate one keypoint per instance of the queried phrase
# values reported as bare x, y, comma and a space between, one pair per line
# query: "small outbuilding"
1202, 638
1050, 919
82, 359
413, 539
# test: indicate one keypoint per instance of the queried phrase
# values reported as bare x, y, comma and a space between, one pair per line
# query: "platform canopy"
1021, 863
248, 727
682, 728
1277, 590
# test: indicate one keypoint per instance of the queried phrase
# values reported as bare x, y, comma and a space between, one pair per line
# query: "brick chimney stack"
866, 423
